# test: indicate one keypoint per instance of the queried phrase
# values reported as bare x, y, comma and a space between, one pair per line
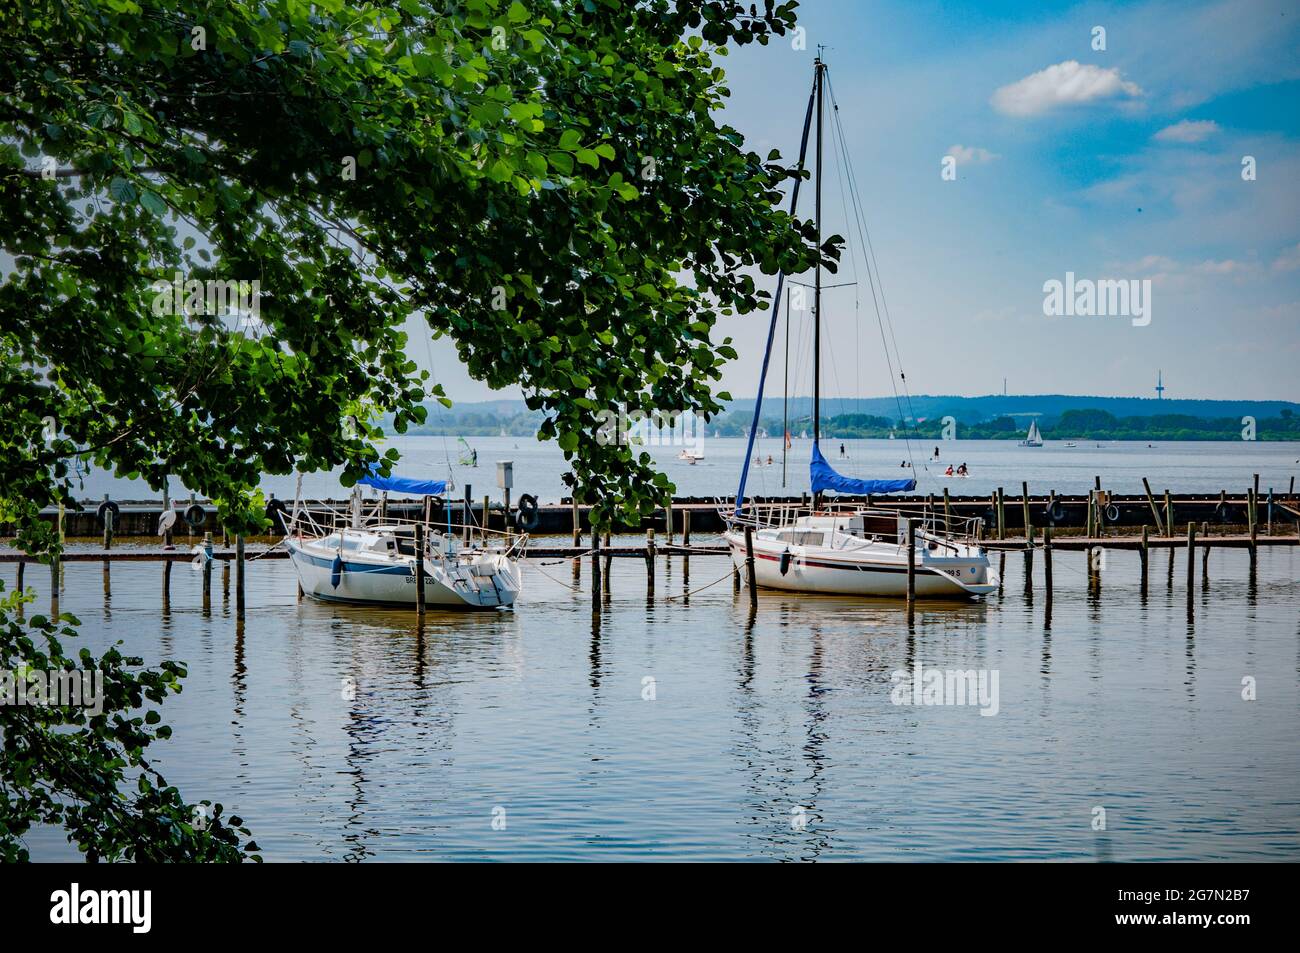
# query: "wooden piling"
668, 520
419, 569
239, 576
947, 511
207, 569
1151, 500
1191, 558
108, 525
22, 568
1088, 528
1144, 555
577, 524
1047, 562
1024, 510
595, 570
650, 561
1169, 515
749, 567
469, 514
1002, 516
686, 527
167, 580
1254, 501
911, 555
605, 580
383, 507
487, 519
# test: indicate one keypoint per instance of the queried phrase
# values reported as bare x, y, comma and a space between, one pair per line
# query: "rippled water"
768, 737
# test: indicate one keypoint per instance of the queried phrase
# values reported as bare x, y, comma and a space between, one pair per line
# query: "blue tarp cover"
824, 477
403, 484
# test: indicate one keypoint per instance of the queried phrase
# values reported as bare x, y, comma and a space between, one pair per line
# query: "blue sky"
1117, 164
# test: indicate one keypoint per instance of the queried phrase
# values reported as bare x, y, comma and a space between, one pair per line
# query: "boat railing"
319, 523
931, 521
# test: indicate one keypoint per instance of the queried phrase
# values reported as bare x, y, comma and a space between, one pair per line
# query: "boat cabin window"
800, 537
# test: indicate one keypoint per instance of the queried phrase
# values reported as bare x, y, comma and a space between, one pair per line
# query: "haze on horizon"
1123, 163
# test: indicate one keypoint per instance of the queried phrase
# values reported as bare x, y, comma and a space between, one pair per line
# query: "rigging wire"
883, 318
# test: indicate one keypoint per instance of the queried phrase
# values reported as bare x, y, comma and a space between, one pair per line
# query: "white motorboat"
848, 550
691, 456
345, 558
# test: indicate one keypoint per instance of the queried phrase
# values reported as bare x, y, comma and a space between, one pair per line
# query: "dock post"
469, 514
487, 519
1254, 548
1087, 524
1024, 510
1254, 501
749, 567
577, 523
911, 556
1151, 501
1205, 557
166, 506
207, 571
167, 580
419, 569
650, 560
595, 570
1047, 563
1191, 558
1002, 516
383, 507
108, 526
22, 568
1250, 510
686, 528
668, 520
1143, 555
947, 511
1169, 515
609, 565
239, 576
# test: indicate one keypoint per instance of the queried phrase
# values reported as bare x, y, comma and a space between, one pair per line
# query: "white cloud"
1064, 84
1188, 130
971, 155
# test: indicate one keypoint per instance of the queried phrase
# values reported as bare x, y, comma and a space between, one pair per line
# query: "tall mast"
820, 68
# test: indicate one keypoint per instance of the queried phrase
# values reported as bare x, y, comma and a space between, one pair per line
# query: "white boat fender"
527, 520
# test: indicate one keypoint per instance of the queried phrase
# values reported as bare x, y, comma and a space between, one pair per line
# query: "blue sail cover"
403, 484
825, 478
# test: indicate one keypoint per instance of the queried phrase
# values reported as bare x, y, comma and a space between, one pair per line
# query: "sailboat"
1035, 438
845, 548
346, 557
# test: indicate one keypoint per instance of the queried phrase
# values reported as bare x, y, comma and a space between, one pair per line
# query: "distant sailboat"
1034, 439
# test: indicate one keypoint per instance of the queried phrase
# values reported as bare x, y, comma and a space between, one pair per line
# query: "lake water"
691, 729
1193, 467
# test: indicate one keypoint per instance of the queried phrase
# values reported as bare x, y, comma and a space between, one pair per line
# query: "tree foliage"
545, 182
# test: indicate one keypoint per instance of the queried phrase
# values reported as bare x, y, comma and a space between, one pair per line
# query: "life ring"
108, 506
196, 516
528, 518
1112, 512
275, 511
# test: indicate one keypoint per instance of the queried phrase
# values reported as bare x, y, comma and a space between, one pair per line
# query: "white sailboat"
351, 558
1034, 438
846, 548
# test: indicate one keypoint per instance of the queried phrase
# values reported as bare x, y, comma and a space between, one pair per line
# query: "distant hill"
484, 418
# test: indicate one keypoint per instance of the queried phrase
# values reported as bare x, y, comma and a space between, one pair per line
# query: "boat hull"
822, 573
359, 582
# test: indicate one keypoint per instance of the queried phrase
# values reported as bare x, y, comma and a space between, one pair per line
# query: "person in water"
842, 453
769, 459
936, 453
961, 470
948, 472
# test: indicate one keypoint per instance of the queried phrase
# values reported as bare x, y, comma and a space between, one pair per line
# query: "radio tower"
1160, 386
